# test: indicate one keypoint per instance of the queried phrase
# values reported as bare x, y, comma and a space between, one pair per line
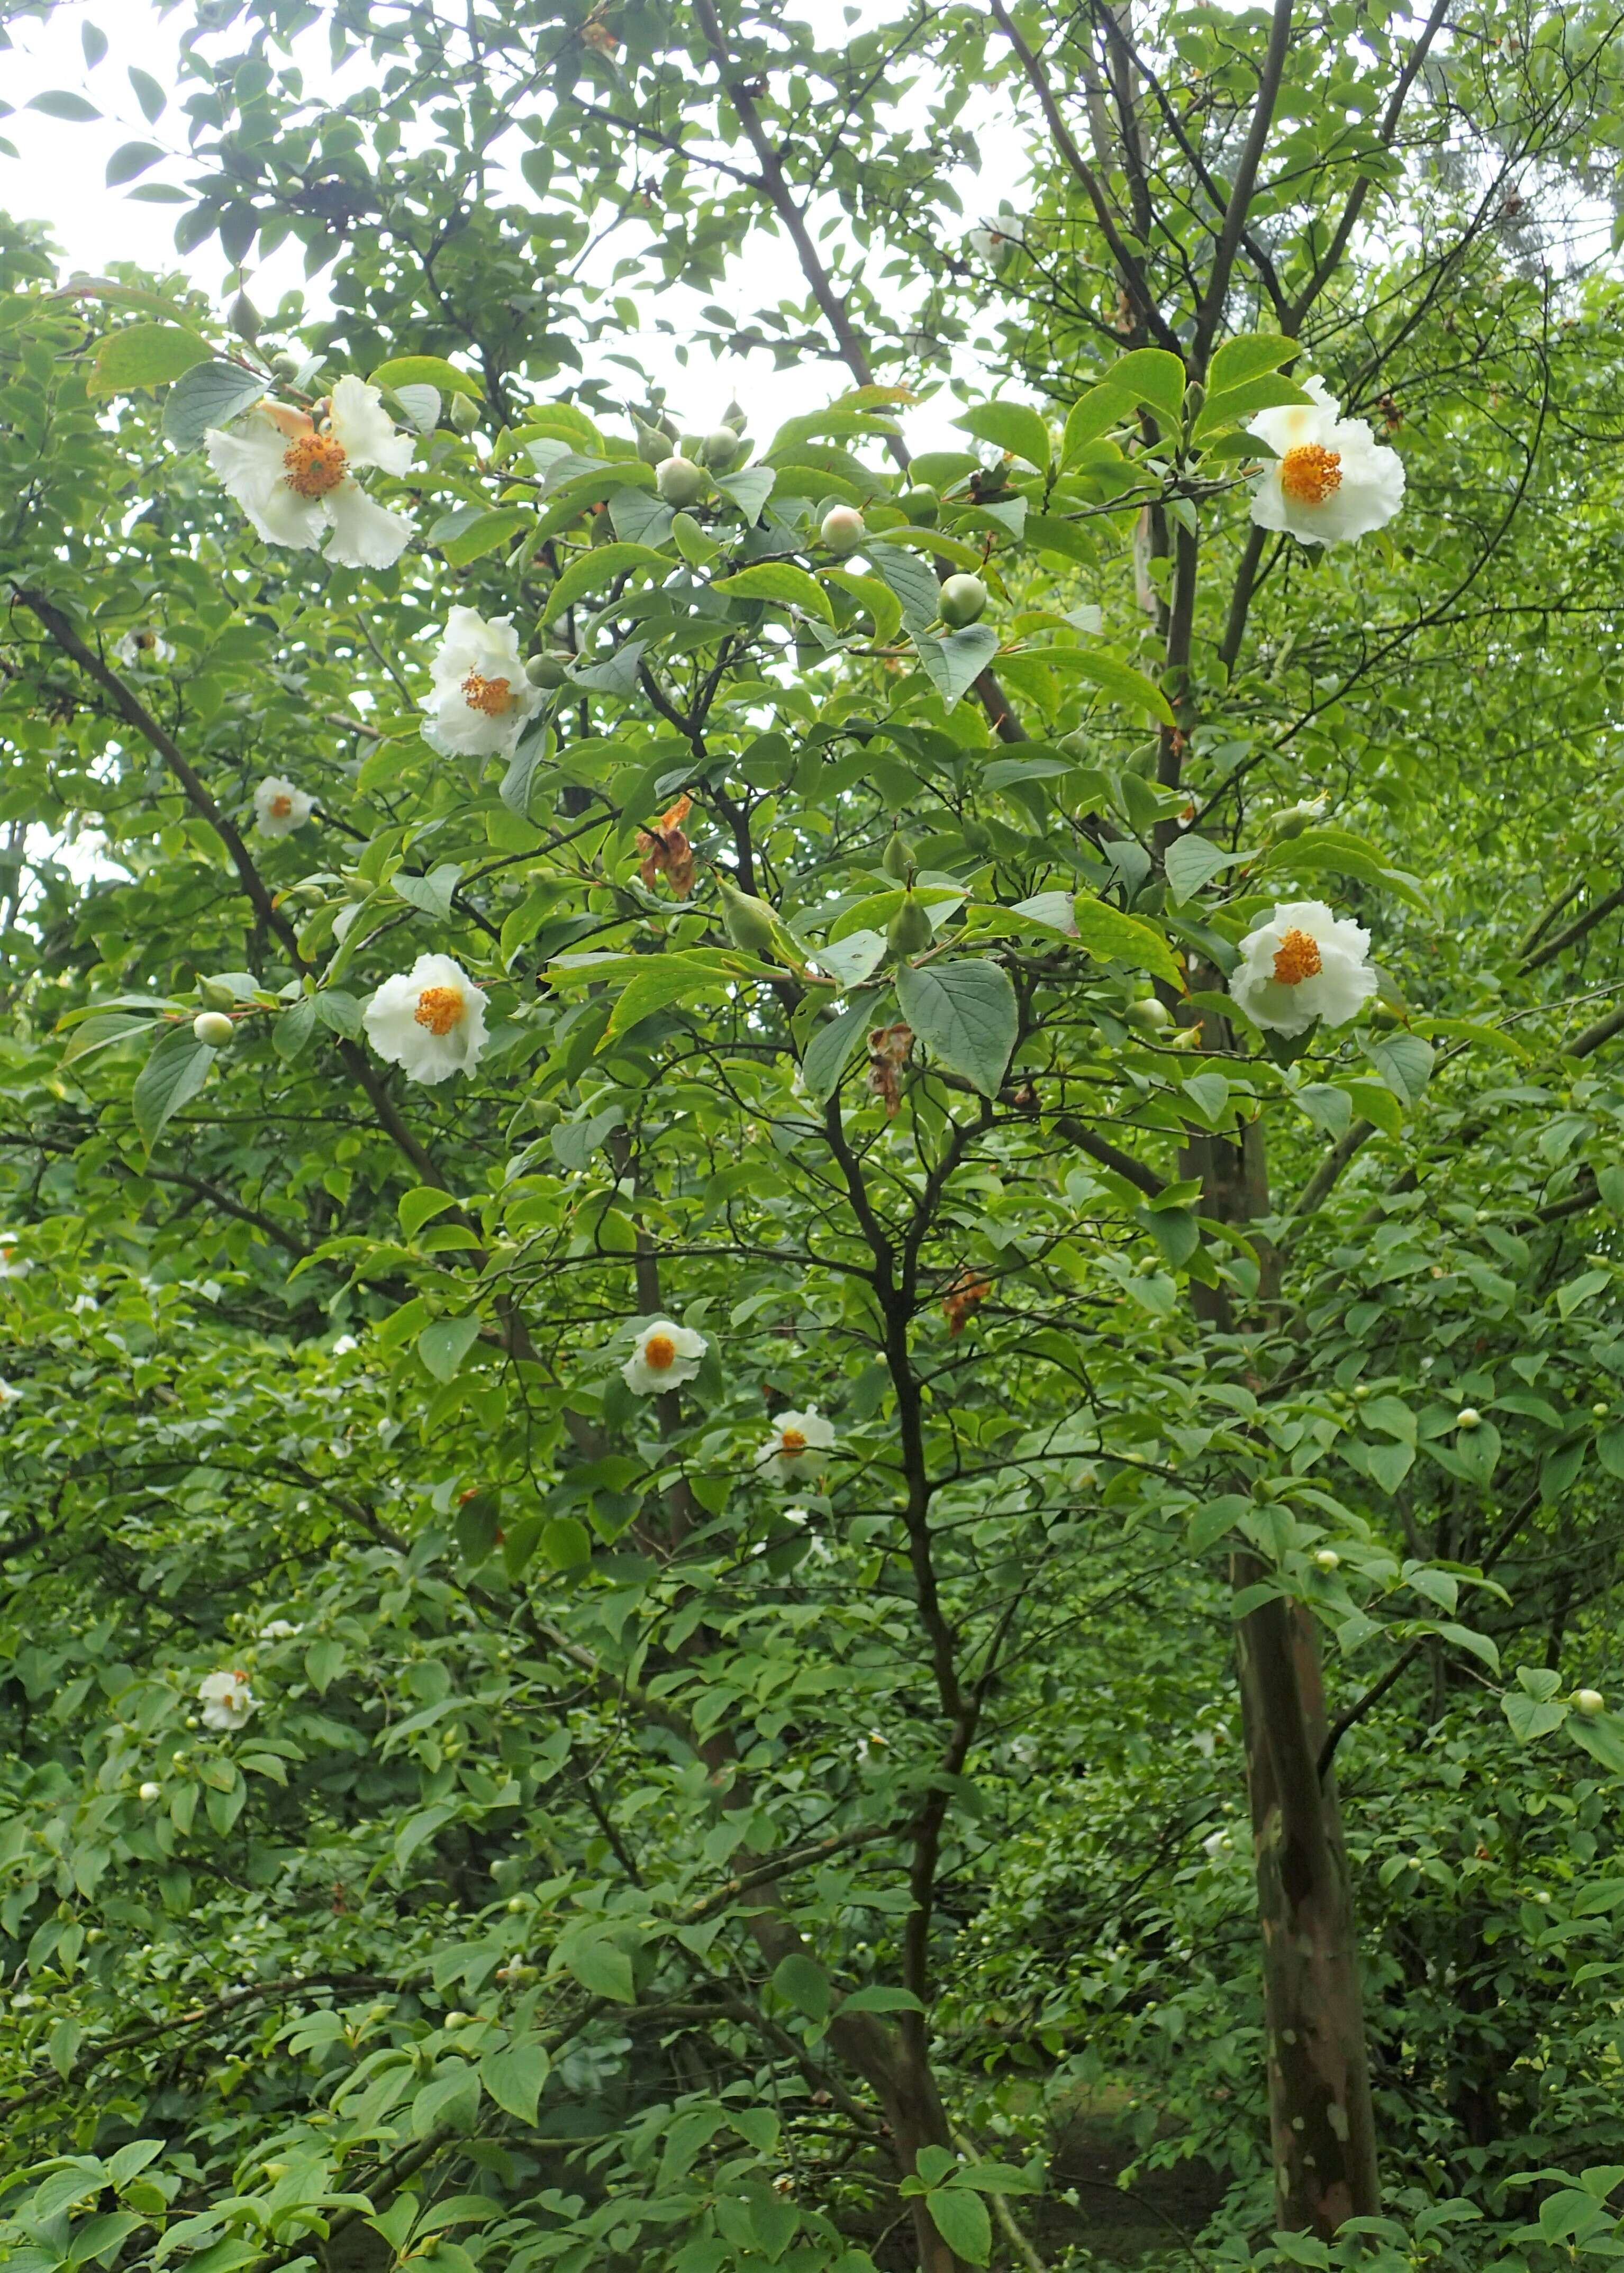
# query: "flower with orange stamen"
666, 1355
1304, 964
1329, 479
480, 699
296, 481
429, 1021
798, 1447
280, 808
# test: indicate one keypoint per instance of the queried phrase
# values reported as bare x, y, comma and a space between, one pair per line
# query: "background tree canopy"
786, 1469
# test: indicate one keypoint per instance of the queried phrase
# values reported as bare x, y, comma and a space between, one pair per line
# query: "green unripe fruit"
749, 922
1590, 1702
464, 413
922, 506
843, 529
213, 1027
286, 365
547, 671
215, 996
910, 931
964, 601
245, 319
679, 480
735, 417
720, 448
897, 859
1149, 1014
516, 1902
653, 448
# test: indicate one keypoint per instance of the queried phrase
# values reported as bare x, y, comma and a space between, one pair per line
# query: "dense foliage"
628, 1550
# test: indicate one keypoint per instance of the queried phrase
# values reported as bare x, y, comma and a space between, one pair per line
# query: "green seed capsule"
464, 413
653, 448
910, 930
750, 922
897, 859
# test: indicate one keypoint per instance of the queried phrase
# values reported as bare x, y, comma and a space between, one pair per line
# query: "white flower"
278, 1629
1304, 964
481, 698
1331, 479
149, 1792
141, 650
797, 1445
1218, 1844
666, 1356
345, 1343
12, 1265
297, 482
226, 1699
429, 1020
280, 808
84, 1304
8, 1395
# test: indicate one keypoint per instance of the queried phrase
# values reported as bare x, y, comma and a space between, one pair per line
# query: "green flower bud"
910, 931
1293, 819
719, 448
464, 413
215, 996
244, 319
1468, 1417
547, 671
735, 417
679, 480
1590, 1702
964, 601
749, 922
653, 446
1326, 1559
897, 859
922, 506
286, 365
213, 1027
1149, 1014
843, 529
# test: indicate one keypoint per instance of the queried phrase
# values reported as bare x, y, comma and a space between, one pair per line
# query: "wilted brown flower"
888, 1054
964, 1299
666, 851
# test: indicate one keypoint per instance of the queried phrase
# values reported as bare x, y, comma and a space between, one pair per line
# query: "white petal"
462, 731
249, 462
366, 535
369, 435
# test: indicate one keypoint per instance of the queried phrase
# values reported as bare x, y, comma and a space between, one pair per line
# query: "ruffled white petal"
368, 434
455, 727
249, 460
366, 533
395, 1033
1334, 994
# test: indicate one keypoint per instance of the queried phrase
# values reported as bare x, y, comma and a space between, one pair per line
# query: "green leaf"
1532, 1716
426, 370
914, 582
533, 748
565, 1543
149, 93
602, 1969
1191, 864
966, 1015
1152, 377
513, 2078
1092, 415
130, 161
829, 1052
1580, 1290
1338, 852
749, 490
443, 1345
1012, 426
957, 661
1247, 356
1111, 936
780, 585
878, 1997
804, 1984
484, 533
600, 565
1603, 1738
209, 395
175, 1072
874, 597
640, 517
56, 104
1404, 1062
1115, 679
960, 2218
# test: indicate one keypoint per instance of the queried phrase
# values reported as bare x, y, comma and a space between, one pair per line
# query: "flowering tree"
657, 1378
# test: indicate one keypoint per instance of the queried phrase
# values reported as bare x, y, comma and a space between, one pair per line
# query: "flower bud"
213, 1027
547, 671
244, 319
1149, 1014
964, 601
464, 413
897, 859
215, 994
1468, 1417
1600, 1412
679, 480
719, 448
735, 417
843, 529
151, 1792
286, 365
1293, 819
515, 1903
749, 922
653, 448
922, 506
457, 2020
1326, 1559
1590, 1702
910, 931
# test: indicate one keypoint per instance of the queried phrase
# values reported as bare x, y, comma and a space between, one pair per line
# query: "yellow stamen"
658, 1352
314, 465
1297, 957
492, 696
438, 1008
792, 1441
1311, 473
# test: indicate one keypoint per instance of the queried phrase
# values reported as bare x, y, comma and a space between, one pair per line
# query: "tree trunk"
1321, 2122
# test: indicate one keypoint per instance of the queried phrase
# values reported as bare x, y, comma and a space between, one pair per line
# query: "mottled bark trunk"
1320, 2119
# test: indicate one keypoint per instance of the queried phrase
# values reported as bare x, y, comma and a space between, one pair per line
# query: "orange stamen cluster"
438, 1008
658, 1352
792, 1441
492, 697
1311, 473
313, 465
1297, 958
281, 806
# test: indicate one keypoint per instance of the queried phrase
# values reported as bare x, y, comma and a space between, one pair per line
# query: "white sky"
60, 173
